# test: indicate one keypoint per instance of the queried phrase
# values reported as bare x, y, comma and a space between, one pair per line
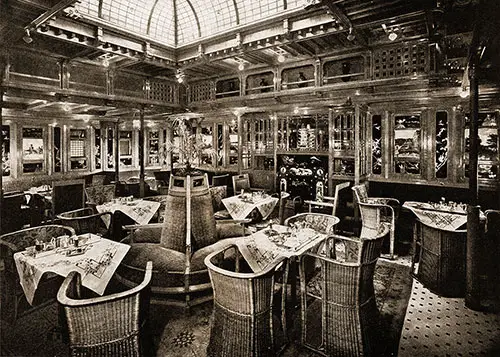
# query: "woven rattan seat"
14, 304
242, 324
97, 195
377, 210
343, 289
110, 325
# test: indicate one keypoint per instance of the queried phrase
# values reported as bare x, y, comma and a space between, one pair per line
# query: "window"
97, 149
77, 149
377, 144
153, 147
33, 150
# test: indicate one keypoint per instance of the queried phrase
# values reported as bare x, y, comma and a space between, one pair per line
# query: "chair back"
361, 193
218, 193
110, 325
240, 182
19, 240
320, 222
97, 195
11, 212
67, 195
84, 220
339, 187
244, 300
220, 180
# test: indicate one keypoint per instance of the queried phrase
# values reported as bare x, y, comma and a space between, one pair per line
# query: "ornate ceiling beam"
339, 14
47, 15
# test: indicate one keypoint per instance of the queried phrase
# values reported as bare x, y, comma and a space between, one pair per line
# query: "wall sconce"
180, 75
281, 55
27, 37
392, 36
350, 35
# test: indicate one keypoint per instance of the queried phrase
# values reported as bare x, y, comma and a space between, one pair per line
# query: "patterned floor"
179, 335
437, 326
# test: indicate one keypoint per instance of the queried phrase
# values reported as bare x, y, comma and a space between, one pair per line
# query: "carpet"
176, 334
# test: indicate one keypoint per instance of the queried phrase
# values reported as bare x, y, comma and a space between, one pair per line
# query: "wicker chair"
242, 324
329, 203
13, 303
218, 193
441, 260
179, 245
376, 210
160, 213
343, 288
110, 325
84, 220
97, 195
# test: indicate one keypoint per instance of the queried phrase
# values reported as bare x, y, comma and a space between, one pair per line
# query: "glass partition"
33, 146
153, 147
110, 145
207, 150
441, 145
57, 149
6, 150
97, 149
407, 144
377, 144
488, 145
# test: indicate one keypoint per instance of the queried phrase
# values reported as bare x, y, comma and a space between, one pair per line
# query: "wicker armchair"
110, 325
84, 220
97, 195
328, 203
218, 193
160, 213
377, 210
343, 291
13, 301
242, 324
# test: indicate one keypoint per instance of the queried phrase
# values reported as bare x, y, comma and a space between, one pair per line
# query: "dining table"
139, 210
242, 205
275, 243
450, 216
96, 258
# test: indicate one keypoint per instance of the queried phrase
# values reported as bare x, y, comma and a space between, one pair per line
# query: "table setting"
96, 258
240, 206
141, 211
276, 243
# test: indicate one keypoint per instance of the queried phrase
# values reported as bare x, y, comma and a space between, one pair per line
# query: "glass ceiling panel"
196, 19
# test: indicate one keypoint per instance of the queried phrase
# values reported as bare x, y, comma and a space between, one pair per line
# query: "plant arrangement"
188, 144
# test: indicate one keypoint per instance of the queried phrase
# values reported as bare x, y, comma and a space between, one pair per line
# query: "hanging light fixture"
392, 36
180, 75
27, 37
350, 35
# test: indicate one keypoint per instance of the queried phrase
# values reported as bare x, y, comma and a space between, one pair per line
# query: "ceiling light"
180, 75
281, 58
27, 37
350, 35
392, 36
241, 66
105, 62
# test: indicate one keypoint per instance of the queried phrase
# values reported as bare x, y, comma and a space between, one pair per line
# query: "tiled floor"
437, 326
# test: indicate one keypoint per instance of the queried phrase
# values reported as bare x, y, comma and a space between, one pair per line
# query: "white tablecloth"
272, 245
97, 265
239, 208
141, 211
443, 217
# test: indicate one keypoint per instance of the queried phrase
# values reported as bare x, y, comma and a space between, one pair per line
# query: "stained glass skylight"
195, 19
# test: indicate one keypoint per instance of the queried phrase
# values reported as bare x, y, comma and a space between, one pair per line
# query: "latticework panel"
162, 91
201, 91
406, 60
